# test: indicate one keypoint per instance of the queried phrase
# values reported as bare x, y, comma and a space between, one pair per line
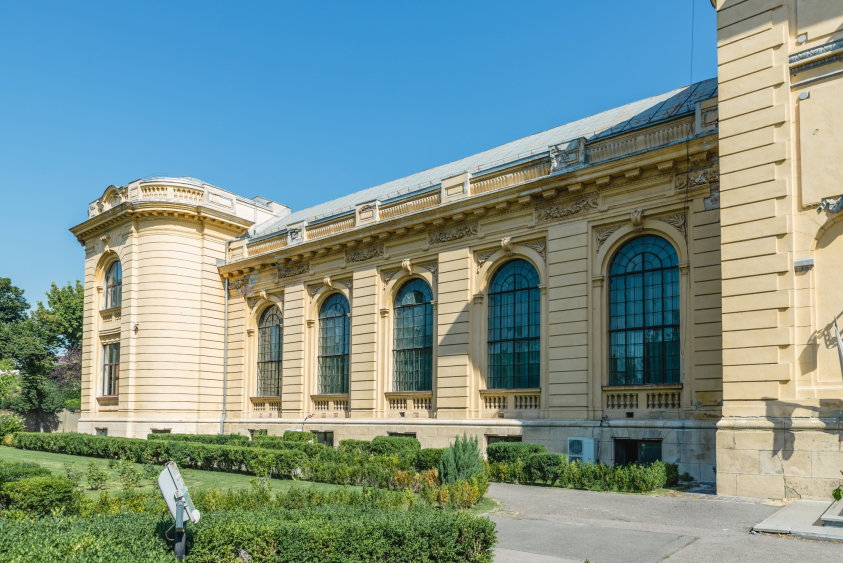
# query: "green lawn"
194, 478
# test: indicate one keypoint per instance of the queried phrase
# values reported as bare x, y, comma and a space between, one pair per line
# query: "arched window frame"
644, 301
415, 349
324, 324
270, 349
113, 288
599, 357
487, 261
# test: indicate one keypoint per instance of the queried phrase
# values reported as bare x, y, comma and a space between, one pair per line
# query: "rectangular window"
110, 369
102, 431
326, 438
402, 434
637, 451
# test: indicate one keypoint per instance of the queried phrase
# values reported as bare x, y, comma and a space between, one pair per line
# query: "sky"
298, 102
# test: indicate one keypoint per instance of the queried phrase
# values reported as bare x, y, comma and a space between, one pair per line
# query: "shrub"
10, 423
219, 439
395, 445
545, 467
460, 461
17, 470
509, 452
355, 446
427, 458
276, 534
672, 474
73, 475
97, 478
40, 495
310, 450
295, 436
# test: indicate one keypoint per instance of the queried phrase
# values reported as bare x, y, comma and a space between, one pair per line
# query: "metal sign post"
181, 506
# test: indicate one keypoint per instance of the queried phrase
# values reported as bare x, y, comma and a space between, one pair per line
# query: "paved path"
544, 525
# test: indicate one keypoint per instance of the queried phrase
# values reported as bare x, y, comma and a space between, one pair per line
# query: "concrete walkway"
550, 525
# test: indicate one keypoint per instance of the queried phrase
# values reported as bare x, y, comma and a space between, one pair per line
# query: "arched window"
270, 333
113, 286
412, 344
644, 313
515, 327
334, 336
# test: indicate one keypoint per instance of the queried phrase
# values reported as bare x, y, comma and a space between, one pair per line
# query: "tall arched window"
334, 337
270, 333
515, 327
113, 286
644, 313
412, 344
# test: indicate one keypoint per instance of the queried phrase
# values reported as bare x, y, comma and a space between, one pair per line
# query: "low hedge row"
40, 495
17, 470
220, 439
278, 535
554, 469
195, 455
510, 452
309, 449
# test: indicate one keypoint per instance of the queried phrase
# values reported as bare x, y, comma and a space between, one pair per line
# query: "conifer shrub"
461, 460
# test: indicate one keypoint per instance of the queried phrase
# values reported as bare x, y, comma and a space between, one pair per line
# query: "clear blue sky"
298, 102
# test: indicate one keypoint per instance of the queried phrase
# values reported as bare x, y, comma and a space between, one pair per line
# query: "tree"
61, 320
9, 380
13, 305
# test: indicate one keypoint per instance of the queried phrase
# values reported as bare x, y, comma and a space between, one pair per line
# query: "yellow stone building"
584, 287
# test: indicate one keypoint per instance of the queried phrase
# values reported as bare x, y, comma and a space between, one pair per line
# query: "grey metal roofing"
605, 124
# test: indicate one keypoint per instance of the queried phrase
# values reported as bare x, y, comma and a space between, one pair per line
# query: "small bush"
686, 477
355, 446
461, 460
40, 495
395, 445
17, 470
427, 458
97, 478
671, 474
10, 423
295, 436
545, 467
73, 475
509, 452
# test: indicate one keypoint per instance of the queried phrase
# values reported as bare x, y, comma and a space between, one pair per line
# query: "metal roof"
611, 122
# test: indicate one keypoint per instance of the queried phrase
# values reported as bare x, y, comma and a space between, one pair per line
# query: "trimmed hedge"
510, 452
427, 458
395, 445
17, 470
355, 446
220, 439
195, 455
310, 450
40, 495
295, 436
631, 478
279, 535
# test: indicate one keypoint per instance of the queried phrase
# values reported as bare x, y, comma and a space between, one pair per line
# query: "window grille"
110, 369
412, 348
334, 337
644, 313
515, 327
270, 334
113, 286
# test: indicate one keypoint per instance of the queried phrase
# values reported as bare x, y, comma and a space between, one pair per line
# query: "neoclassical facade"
585, 282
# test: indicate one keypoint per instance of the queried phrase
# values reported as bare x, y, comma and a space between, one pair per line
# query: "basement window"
637, 451
102, 431
402, 434
326, 438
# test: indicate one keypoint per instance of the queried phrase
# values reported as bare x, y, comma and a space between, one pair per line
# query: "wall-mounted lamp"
136, 327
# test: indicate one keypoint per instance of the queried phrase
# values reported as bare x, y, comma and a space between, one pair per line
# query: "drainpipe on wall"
224, 358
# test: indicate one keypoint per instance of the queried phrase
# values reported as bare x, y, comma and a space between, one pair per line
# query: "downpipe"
600, 436
224, 358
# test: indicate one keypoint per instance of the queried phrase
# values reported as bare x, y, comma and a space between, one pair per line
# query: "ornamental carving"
636, 217
562, 211
387, 275
506, 245
482, 257
676, 221
433, 268
363, 254
453, 234
539, 246
348, 283
604, 234
702, 178
294, 270
313, 290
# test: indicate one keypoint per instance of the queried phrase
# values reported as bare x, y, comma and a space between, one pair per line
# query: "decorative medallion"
363, 254
453, 234
561, 211
604, 234
294, 270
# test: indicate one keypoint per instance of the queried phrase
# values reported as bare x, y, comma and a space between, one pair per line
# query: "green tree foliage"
13, 305
61, 319
461, 460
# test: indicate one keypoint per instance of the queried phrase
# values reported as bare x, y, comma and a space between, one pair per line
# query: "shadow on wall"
784, 411
63, 421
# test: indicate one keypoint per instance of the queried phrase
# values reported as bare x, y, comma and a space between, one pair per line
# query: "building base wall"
779, 458
689, 443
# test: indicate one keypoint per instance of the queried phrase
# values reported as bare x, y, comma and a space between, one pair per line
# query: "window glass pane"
412, 356
514, 327
270, 335
334, 339
644, 313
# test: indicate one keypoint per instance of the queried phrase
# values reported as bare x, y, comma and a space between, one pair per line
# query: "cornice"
127, 210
